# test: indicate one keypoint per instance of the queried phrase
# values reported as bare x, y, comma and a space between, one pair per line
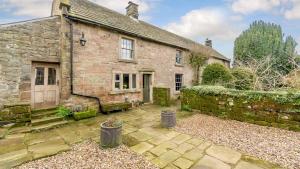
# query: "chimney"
132, 10
208, 43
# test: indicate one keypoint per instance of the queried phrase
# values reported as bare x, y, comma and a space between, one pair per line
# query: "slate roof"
91, 12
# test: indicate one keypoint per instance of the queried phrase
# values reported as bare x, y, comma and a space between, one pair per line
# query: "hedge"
277, 108
161, 96
216, 74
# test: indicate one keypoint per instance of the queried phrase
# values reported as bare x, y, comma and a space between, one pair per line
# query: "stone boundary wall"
21, 44
161, 96
16, 113
276, 109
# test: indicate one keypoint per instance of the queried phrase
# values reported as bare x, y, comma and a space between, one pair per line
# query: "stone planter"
168, 119
110, 136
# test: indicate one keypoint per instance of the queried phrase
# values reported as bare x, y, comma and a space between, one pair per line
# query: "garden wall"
276, 109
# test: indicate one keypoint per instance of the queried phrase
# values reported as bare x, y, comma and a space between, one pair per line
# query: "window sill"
124, 91
179, 65
127, 61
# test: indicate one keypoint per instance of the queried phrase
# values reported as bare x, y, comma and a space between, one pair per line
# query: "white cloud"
294, 12
206, 23
249, 6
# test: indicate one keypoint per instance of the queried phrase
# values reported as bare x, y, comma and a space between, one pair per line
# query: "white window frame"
182, 81
121, 81
180, 57
131, 50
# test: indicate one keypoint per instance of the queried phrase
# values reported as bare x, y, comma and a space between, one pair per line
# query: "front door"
146, 87
45, 85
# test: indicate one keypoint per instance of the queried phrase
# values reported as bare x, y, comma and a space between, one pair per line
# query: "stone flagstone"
162, 148
208, 162
195, 141
204, 145
183, 163
194, 154
246, 165
183, 148
224, 153
140, 136
158, 140
181, 138
166, 158
141, 147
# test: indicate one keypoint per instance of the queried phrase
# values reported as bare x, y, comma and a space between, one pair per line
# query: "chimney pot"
208, 43
132, 10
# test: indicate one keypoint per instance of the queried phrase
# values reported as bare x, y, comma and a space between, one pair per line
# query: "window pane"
117, 85
127, 49
125, 81
40, 75
51, 76
179, 57
134, 81
117, 77
178, 82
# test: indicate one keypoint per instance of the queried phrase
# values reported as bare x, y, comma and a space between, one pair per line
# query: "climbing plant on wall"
197, 60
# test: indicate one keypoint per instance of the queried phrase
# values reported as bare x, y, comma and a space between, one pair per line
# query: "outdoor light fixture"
82, 40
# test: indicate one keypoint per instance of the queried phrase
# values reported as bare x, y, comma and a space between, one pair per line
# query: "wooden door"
45, 85
146, 88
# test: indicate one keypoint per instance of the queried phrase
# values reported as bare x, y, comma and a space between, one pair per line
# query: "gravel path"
88, 155
270, 144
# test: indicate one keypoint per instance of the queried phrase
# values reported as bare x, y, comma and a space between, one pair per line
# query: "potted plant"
111, 133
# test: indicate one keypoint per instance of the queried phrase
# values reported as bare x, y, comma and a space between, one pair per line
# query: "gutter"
71, 71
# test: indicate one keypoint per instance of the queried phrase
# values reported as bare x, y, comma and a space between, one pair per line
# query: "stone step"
43, 110
39, 115
46, 120
48, 126
14, 158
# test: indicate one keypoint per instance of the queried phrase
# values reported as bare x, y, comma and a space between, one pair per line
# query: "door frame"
33, 74
150, 85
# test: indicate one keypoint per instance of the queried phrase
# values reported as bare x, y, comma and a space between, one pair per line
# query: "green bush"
161, 96
84, 115
186, 108
63, 112
243, 79
216, 74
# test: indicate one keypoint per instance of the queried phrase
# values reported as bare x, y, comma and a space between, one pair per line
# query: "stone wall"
20, 45
95, 63
276, 109
15, 113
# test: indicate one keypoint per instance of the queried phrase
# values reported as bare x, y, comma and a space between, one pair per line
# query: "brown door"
45, 85
146, 88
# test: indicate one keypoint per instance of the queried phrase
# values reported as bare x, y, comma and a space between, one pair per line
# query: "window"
127, 49
133, 81
125, 81
178, 82
51, 76
117, 81
40, 75
179, 57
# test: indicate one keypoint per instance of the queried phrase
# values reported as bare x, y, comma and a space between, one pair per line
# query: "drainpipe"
71, 71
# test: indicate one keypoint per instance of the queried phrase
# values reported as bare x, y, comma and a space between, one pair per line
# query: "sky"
219, 20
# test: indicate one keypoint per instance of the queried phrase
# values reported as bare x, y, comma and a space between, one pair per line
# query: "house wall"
20, 45
95, 64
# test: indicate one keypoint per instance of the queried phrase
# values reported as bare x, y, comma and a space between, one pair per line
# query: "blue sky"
219, 20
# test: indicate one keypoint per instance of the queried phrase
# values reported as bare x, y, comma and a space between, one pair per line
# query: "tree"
197, 60
264, 40
217, 74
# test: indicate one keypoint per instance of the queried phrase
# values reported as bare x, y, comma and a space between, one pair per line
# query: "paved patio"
142, 133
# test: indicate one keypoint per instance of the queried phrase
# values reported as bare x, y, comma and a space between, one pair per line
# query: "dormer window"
127, 49
179, 57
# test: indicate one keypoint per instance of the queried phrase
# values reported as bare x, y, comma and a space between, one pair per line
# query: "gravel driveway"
88, 155
271, 144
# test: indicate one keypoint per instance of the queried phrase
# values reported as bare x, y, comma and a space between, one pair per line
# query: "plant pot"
168, 119
110, 136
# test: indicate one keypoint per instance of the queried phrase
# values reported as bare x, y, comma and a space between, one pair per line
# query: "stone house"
86, 53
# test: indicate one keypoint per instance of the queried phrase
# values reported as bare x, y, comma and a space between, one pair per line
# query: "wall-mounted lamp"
82, 40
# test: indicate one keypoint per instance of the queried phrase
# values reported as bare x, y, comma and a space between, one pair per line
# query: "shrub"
63, 112
84, 115
161, 96
186, 108
216, 74
243, 79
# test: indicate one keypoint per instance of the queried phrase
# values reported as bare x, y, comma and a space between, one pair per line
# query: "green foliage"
197, 60
186, 108
266, 39
63, 112
161, 96
243, 79
297, 60
216, 74
84, 115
